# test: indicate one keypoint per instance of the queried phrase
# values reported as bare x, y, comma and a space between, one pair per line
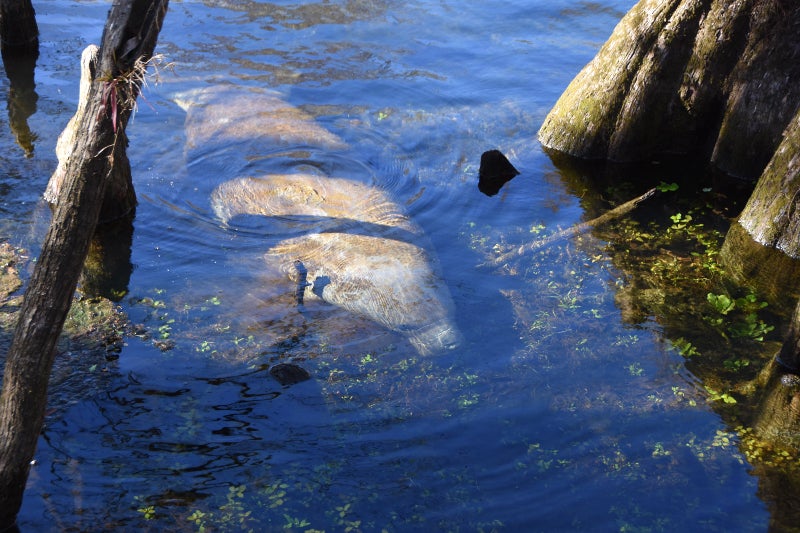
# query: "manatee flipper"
302, 281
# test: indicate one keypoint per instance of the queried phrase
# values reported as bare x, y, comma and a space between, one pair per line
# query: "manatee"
234, 115
359, 252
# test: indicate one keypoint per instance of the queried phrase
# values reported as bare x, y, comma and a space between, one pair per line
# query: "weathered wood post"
128, 41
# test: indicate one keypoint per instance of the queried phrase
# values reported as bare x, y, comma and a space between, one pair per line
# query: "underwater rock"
289, 373
495, 171
357, 249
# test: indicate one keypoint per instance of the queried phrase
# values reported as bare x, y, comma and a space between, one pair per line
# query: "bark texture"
789, 355
130, 34
120, 197
715, 79
771, 215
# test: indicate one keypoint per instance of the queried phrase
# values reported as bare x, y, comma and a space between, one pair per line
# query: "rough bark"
120, 197
714, 79
130, 34
18, 30
789, 356
770, 272
772, 215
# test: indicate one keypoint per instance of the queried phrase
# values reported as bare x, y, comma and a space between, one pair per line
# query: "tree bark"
789, 356
714, 79
19, 33
120, 198
130, 35
772, 214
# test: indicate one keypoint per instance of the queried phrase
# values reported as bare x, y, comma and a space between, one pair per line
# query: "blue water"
554, 415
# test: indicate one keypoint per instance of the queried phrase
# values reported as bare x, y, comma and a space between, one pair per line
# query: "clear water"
554, 415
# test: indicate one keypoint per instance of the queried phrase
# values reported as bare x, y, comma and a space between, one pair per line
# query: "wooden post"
129, 37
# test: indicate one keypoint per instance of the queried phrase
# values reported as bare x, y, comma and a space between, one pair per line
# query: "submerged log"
713, 79
128, 41
609, 216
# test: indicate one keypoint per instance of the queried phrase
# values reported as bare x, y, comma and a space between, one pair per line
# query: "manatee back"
330, 201
389, 281
223, 114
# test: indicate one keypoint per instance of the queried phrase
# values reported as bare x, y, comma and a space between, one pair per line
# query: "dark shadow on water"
22, 97
715, 295
108, 268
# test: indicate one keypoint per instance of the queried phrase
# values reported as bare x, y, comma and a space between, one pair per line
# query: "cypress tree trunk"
772, 214
715, 79
130, 35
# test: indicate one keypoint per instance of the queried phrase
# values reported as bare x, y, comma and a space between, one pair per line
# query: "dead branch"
619, 211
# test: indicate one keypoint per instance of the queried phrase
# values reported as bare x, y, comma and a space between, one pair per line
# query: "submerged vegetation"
659, 271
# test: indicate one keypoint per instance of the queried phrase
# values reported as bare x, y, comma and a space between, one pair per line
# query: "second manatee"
362, 253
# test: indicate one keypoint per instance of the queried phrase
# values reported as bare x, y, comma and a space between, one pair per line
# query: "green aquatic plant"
721, 303
680, 394
685, 348
680, 222
735, 364
715, 396
165, 329
205, 346
198, 518
660, 451
635, 369
745, 323
344, 519
148, 512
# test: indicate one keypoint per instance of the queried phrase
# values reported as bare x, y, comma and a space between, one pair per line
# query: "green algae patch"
92, 325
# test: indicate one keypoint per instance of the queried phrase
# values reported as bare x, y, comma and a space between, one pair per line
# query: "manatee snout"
437, 338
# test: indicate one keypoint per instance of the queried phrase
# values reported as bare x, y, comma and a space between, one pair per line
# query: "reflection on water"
568, 406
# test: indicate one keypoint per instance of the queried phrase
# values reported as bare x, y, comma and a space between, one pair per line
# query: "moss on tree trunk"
771, 215
712, 79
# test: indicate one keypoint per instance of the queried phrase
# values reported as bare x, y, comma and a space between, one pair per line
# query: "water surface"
555, 413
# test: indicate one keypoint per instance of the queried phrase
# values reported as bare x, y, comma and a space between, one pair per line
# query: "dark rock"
289, 374
495, 171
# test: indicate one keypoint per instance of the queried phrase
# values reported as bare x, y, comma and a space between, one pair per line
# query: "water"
554, 414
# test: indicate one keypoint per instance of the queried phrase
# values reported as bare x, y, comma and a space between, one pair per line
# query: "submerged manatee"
223, 114
362, 253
